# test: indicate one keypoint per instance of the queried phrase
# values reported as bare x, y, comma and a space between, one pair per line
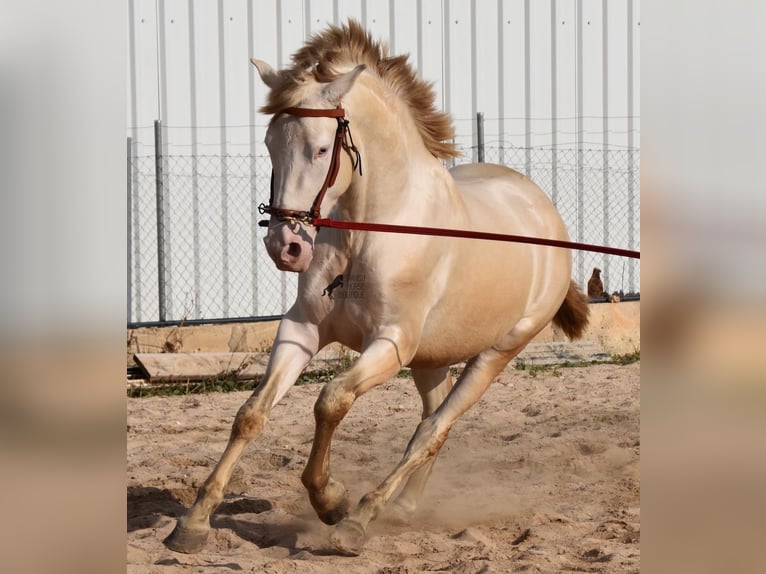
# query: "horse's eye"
322, 151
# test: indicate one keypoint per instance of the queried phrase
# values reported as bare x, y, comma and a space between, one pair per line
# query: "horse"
337, 282
421, 302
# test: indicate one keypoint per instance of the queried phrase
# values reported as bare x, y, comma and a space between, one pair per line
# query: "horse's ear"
335, 90
267, 73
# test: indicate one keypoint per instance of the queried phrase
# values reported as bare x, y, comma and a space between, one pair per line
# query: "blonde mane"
327, 54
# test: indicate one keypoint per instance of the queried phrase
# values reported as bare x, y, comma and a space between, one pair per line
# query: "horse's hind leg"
433, 386
429, 437
294, 346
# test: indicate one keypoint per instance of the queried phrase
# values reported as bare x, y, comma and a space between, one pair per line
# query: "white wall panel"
550, 86
486, 57
404, 24
145, 89
291, 23
237, 68
431, 53
566, 77
176, 106
350, 9
264, 47
592, 73
539, 112
483, 73
458, 74
513, 79
377, 18
319, 15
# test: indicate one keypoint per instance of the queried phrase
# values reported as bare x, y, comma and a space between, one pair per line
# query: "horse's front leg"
294, 346
380, 361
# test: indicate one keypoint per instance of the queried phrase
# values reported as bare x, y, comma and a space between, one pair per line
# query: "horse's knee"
333, 403
250, 420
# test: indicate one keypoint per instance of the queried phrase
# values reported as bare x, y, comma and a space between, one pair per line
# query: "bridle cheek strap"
342, 134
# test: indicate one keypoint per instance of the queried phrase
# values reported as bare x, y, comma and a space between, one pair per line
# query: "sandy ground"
542, 475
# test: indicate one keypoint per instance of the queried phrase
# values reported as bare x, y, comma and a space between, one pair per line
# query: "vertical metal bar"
480, 136
137, 259
475, 84
280, 50
195, 166
579, 128
500, 84
527, 92
554, 108
253, 165
419, 9
163, 115
135, 175
224, 161
446, 60
605, 132
631, 166
280, 64
392, 25
158, 179
130, 231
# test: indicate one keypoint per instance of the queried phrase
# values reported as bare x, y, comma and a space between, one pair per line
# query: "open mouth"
293, 250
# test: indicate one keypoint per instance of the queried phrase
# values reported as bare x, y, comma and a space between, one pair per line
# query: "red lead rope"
410, 229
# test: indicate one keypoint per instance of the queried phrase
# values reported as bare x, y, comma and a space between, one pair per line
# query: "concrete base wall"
616, 327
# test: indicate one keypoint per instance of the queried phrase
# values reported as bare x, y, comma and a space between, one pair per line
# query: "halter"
343, 140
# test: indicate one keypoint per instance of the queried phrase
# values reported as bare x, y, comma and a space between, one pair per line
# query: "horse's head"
304, 143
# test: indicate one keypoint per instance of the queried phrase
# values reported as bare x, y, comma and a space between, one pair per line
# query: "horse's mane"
330, 53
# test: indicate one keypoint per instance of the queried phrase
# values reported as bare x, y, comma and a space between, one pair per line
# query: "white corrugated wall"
556, 80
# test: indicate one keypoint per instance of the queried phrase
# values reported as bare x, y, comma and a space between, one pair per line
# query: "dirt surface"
542, 475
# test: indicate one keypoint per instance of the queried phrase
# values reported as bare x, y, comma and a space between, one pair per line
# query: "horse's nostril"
294, 249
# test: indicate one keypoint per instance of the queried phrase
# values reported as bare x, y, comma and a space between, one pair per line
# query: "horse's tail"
572, 316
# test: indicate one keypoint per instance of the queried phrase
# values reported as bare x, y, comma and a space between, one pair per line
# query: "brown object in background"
595, 285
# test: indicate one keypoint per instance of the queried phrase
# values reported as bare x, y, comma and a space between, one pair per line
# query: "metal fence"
195, 251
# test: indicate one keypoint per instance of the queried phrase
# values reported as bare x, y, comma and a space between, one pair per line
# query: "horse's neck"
400, 177
401, 180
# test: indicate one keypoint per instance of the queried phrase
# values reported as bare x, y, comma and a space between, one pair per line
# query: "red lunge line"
389, 228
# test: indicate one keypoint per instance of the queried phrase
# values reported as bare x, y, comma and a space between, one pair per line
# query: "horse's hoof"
348, 538
186, 540
331, 503
336, 514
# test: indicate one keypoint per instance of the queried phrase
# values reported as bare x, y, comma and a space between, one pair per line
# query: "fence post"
579, 128
631, 149
160, 217
130, 232
480, 136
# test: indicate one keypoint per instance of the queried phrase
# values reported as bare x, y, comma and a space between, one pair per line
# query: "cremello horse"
408, 300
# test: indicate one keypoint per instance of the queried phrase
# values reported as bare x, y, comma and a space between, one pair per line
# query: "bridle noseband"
343, 140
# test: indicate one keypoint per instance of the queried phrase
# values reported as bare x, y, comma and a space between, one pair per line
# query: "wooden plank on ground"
168, 367
175, 367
